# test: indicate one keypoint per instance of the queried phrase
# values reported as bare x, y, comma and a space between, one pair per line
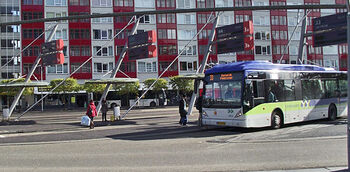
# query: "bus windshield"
225, 94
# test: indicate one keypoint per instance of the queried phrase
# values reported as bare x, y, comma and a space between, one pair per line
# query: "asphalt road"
152, 140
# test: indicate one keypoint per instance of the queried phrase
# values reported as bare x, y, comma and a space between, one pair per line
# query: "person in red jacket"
91, 112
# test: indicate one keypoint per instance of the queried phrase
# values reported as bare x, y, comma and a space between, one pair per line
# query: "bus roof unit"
262, 65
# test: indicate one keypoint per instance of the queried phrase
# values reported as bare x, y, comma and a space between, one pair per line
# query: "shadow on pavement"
107, 123
27, 122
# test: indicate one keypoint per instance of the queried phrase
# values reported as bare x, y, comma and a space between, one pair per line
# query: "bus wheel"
332, 113
276, 120
153, 104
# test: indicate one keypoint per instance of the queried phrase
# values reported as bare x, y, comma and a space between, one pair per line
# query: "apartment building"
273, 32
10, 40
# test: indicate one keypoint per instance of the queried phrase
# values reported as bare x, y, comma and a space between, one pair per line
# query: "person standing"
182, 110
91, 112
199, 104
104, 110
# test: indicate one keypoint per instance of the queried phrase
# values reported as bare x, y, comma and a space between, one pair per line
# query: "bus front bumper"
232, 123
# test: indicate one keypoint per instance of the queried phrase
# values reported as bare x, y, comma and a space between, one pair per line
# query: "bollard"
116, 112
6, 114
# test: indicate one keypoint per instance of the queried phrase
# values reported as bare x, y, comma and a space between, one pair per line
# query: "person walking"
104, 110
91, 113
182, 110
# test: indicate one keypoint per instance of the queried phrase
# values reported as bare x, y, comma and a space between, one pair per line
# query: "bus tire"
152, 104
332, 112
276, 120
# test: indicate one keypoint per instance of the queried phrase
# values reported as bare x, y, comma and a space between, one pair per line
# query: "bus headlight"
238, 114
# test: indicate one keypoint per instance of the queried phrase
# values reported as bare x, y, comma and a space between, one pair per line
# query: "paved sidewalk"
61, 120
325, 169
65, 120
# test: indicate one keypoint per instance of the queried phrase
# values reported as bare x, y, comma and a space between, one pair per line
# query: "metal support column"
116, 67
29, 75
302, 40
348, 63
204, 63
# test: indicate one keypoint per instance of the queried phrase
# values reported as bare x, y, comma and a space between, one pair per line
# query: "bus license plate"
221, 123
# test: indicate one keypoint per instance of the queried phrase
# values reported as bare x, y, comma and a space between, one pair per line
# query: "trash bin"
6, 113
116, 112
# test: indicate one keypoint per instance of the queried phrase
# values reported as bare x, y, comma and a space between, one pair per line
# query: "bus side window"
259, 95
343, 84
289, 90
331, 88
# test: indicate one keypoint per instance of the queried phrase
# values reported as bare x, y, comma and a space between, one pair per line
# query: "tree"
125, 90
181, 85
94, 88
70, 85
8, 91
158, 86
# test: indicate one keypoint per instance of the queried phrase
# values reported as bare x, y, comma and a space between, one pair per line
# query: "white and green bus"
262, 94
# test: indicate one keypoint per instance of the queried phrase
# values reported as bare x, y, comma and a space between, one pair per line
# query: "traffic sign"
51, 52
148, 37
53, 58
329, 30
235, 38
52, 46
142, 52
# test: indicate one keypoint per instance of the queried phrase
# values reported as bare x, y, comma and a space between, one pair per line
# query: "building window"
279, 49
147, 19
146, 67
123, 19
263, 50
188, 66
165, 3
79, 20
27, 67
32, 15
80, 51
145, 3
106, 51
103, 67
102, 34
166, 34
186, 18
166, 18
79, 34
84, 69
185, 4
124, 3
101, 3
128, 67
164, 65
262, 35
203, 48
32, 2
167, 49
122, 35
186, 34
58, 69
242, 3
56, 2
190, 50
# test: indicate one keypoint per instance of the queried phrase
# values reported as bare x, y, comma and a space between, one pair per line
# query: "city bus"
262, 94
